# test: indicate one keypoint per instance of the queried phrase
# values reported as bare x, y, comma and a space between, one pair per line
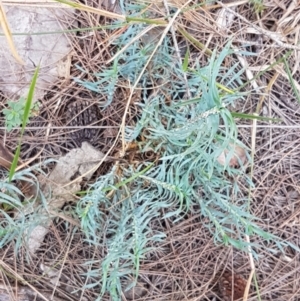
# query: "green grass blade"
194, 42
186, 60
249, 116
29, 100
24, 122
147, 21
291, 79
14, 163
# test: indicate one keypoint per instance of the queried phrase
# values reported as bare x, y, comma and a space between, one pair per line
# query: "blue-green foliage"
128, 65
121, 226
26, 216
188, 137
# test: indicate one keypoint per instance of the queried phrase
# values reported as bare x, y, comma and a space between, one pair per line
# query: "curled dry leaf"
237, 154
232, 286
61, 185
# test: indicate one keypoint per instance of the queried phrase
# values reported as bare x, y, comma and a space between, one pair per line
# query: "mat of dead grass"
187, 265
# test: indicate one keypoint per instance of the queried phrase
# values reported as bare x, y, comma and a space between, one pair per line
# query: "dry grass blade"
143, 32
276, 37
90, 9
7, 268
8, 35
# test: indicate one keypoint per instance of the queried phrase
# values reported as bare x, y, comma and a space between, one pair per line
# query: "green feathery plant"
14, 113
188, 137
258, 5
